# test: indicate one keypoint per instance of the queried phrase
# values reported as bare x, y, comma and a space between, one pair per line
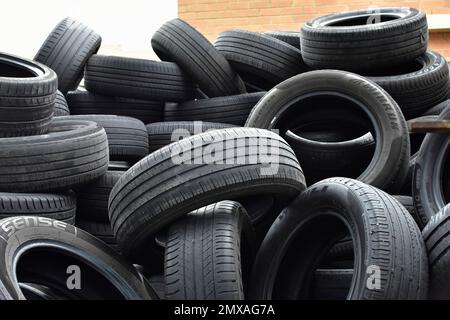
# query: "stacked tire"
264, 166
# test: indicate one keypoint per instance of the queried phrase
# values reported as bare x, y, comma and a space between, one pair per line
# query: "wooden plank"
429, 126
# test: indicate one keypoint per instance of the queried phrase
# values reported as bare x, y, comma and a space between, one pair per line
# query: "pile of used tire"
181, 179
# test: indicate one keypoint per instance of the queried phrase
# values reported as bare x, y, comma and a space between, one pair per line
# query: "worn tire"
436, 235
260, 56
383, 232
388, 168
66, 50
137, 79
421, 86
60, 207
209, 254
127, 137
74, 152
408, 203
179, 42
27, 96
232, 109
147, 198
160, 133
39, 250
61, 106
85, 102
347, 154
100, 230
290, 37
93, 198
432, 173
437, 109
353, 45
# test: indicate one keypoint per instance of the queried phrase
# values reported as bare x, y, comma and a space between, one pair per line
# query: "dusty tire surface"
209, 254
146, 199
137, 79
85, 102
384, 235
74, 152
388, 168
27, 96
200, 59
66, 50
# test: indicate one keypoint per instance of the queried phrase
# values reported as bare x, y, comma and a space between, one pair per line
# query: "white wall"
126, 26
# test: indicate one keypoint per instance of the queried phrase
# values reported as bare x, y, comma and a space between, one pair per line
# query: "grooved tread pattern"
54, 206
26, 103
231, 109
161, 134
93, 197
437, 239
148, 197
418, 91
61, 107
203, 254
290, 37
259, 55
74, 152
137, 79
85, 102
66, 50
364, 47
127, 137
179, 42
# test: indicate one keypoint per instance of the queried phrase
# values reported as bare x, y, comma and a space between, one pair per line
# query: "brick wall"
214, 16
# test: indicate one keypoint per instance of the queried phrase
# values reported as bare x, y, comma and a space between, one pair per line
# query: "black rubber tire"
383, 232
209, 254
61, 207
127, 137
27, 96
406, 190
340, 253
160, 133
260, 56
432, 173
331, 284
290, 37
436, 235
147, 198
322, 160
232, 109
408, 203
66, 50
389, 166
137, 79
157, 283
74, 152
61, 106
437, 109
100, 230
179, 42
39, 250
85, 102
417, 91
328, 42
93, 198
